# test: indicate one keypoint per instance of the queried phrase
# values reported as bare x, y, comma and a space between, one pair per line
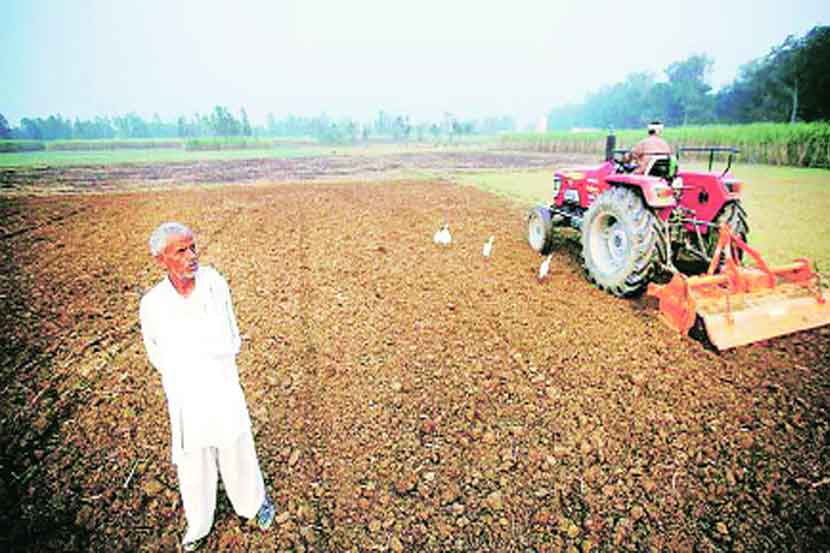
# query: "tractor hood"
579, 173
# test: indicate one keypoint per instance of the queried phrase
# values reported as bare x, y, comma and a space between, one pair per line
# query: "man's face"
179, 257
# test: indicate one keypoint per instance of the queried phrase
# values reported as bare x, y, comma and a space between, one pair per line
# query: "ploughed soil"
404, 396
96, 178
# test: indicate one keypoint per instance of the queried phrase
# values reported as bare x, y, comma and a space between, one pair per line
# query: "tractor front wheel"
539, 231
620, 242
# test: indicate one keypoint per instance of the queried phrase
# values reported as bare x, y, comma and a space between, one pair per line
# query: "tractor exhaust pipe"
610, 145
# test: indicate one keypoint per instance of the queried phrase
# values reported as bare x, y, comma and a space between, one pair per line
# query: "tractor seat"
663, 166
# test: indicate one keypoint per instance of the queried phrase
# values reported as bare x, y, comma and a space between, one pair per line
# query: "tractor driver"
652, 145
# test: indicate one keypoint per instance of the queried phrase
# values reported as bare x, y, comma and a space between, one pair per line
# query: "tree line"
221, 122
791, 83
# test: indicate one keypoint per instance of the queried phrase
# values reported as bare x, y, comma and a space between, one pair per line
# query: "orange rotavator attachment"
740, 305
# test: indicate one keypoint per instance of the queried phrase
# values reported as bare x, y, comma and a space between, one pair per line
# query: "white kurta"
193, 342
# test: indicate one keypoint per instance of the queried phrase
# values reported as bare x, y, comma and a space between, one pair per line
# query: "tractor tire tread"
646, 244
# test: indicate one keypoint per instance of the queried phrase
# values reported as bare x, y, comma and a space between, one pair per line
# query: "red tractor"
635, 226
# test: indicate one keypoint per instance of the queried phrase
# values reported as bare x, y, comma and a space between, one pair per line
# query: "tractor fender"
656, 191
544, 212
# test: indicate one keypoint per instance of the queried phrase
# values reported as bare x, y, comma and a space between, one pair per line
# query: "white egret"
488, 247
544, 268
443, 236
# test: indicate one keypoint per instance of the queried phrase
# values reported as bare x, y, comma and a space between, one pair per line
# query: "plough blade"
740, 305
761, 316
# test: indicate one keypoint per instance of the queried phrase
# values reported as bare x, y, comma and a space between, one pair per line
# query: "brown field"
354, 163
404, 397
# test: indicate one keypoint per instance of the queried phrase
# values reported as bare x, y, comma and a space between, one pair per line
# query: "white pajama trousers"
240, 472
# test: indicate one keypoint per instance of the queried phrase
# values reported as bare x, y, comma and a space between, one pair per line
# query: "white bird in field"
488, 247
443, 236
544, 268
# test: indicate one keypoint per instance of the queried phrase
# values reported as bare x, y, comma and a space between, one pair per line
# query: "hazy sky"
82, 58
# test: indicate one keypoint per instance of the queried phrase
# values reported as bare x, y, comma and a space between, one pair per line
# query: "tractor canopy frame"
712, 150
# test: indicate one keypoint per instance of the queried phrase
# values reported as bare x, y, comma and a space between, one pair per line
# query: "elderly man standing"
652, 145
192, 339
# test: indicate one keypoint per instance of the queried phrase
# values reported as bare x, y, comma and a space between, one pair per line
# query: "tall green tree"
223, 123
790, 83
183, 129
689, 91
5, 129
30, 129
624, 105
53, 127
382, 123
245, 125
810, 76
99, 127
157, 128
401, 128
130, 125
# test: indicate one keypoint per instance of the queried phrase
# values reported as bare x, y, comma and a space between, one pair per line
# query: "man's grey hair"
158, 240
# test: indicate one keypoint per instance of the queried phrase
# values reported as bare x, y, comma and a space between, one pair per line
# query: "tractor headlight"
557, 185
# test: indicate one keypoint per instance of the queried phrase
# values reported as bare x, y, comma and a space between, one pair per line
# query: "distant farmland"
798, 145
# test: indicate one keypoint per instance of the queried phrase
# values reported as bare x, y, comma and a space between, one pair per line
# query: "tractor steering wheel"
620, 166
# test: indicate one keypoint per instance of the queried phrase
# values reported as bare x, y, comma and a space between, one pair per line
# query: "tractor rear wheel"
734, 215
620, 242
539, 232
